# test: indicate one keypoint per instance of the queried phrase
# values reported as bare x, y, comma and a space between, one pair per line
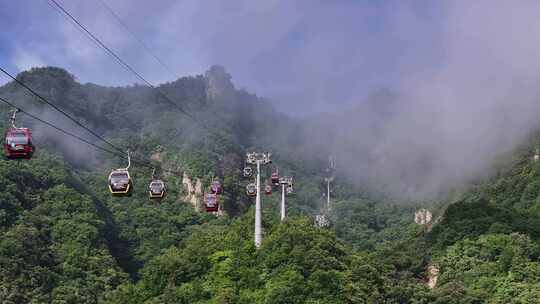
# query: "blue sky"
326, 53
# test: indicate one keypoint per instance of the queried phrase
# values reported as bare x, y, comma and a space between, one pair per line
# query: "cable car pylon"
286, 188
321, 219
258, 159
329, 179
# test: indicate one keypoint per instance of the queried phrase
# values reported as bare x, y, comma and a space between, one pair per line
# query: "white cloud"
24, 59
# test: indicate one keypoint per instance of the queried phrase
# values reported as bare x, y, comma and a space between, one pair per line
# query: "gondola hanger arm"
17, 110
129, 161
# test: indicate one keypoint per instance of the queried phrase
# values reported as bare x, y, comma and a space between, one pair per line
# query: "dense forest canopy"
64, 239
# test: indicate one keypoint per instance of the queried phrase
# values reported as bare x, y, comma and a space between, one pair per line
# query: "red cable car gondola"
215, 187
275, 177
18, 141
211, 202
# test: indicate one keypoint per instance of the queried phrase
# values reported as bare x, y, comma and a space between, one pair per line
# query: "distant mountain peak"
218, 82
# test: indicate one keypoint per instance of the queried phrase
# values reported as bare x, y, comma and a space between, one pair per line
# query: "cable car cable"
58, 128
115, 153
117, 58
140, 41
43, 99
58, 7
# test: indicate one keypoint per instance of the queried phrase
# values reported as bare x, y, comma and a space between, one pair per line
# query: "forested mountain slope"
64, 239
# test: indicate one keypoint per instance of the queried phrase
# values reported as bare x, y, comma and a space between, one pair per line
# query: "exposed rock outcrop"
218, 83
156, 157
433, 276
423, 217
193, 191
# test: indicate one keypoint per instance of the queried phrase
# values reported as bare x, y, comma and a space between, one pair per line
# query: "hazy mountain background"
65, 239
422, 105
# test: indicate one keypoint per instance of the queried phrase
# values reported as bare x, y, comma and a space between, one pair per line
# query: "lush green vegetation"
64, 239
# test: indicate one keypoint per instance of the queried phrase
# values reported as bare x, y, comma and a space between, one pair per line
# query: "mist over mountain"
430, 111
64, 237
389, 142
447, 121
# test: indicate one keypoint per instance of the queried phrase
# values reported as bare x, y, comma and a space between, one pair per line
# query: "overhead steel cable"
77, 137
117, 58
66, 14
43, 99
58, 128
140, 41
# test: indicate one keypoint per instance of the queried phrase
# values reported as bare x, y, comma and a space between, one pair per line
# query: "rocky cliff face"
218, 83
193, 191
157, 156
423, 217
433, 275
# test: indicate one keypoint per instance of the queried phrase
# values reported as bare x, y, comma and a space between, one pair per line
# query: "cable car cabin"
275, 177
215, 187
248, 172
18, 143
120, 182
156, 189
251, 189
268, 189
211, 202
289, 189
